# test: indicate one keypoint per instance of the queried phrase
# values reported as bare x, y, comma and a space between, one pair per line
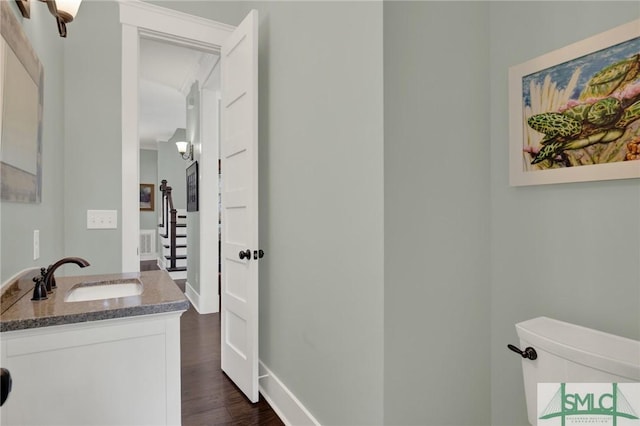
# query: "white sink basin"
104, 290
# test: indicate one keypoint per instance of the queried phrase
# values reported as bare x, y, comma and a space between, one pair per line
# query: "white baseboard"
284, 403
177, 275
193, 297
149, 256
209, 305
198, 303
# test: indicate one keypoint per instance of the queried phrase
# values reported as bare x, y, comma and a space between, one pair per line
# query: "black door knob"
245, 254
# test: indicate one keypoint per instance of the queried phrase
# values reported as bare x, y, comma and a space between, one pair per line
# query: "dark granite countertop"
160, 294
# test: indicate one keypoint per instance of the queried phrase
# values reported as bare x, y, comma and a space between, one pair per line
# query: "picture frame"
21, 108
192, 187
574, 112
147, 197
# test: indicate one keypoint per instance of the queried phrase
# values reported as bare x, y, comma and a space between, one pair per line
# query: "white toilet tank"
568, 353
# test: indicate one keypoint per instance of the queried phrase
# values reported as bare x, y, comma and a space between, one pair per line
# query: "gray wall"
193, 218
93, 142
228, 12
321, 205
436, 216
420, 272
18, 220
174, 169
567, 251
149, 174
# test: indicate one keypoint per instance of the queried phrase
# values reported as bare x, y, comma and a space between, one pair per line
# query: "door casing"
141, 19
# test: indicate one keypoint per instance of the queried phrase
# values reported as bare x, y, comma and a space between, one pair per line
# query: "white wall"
567, 251
436, 224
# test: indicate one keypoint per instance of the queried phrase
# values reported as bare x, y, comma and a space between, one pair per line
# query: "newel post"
163, 186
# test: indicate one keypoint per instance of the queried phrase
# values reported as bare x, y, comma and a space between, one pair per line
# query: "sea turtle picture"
600, 124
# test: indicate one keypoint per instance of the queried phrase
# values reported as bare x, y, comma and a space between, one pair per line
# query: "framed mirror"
21, 93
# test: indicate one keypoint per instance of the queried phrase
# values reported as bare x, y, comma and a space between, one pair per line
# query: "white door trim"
129, 220
143, 18
209, 144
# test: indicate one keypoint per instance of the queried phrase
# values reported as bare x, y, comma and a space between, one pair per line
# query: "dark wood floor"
209, 397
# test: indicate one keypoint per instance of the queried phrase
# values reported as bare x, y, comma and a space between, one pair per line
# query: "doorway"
239, 155
178, 89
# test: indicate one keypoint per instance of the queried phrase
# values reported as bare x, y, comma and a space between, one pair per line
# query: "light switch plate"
36, 244
102, 219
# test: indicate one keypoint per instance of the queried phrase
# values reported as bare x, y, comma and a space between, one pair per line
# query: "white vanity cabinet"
121, 371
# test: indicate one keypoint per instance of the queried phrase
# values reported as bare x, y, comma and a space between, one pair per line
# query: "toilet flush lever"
528, 352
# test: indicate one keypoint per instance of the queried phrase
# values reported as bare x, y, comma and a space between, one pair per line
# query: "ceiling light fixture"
63, 10
185, 148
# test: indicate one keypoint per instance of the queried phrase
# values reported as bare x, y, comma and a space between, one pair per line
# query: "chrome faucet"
50, 280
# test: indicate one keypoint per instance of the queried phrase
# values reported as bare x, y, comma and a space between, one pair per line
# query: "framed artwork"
192, 187
574, 113
21, 93
147, 197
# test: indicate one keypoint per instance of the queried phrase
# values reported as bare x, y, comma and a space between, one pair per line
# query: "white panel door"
239, 156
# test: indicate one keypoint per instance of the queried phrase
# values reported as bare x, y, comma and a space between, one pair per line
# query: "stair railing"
169, 221
172, 226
